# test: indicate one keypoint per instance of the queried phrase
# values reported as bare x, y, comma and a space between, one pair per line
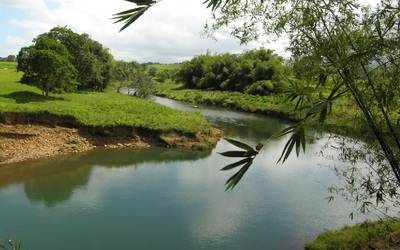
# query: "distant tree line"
62, 60
257, 71
10, 58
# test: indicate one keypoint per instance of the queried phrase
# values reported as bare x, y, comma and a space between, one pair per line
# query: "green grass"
160, 67
367, 235
96, 109
8, 65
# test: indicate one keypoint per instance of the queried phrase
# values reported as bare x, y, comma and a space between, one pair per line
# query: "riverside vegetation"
102, 114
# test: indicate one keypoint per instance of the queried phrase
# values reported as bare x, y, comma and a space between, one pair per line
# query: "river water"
172, 199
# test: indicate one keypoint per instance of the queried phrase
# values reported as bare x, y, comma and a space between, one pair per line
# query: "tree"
92, 61
132, 75
47, 64
11, 58
346, 48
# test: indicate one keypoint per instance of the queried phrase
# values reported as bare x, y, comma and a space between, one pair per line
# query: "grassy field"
95, 109
159, 66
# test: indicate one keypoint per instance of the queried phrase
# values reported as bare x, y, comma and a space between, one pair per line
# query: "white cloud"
14, 40
169, 32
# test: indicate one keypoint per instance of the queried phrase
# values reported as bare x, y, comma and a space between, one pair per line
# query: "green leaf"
234, 180
236, 164
125, 14
239, 153
297, 138
129, 16
141, 2
239, 144
214, 4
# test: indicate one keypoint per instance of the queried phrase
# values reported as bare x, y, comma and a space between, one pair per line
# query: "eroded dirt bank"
19, 142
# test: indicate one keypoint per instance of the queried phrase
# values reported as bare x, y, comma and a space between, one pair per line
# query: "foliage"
92, 61
10, 58
47, 64
253, 72
132, 75
247, 153
124, 73
98, 109
367, 235
363, 175
129, 16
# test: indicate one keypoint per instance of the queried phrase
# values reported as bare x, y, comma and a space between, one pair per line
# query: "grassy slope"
95, 109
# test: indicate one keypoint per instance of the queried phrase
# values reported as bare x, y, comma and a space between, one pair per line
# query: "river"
173, 199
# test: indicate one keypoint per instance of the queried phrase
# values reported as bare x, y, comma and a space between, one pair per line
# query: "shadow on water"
52, 181
27, 97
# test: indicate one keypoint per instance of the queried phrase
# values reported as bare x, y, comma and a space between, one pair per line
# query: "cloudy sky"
169, 32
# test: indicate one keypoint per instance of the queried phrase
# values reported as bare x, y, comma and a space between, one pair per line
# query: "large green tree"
346, 49
48, 65
90, 58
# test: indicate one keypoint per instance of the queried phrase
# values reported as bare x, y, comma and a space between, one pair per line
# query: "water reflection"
52, 181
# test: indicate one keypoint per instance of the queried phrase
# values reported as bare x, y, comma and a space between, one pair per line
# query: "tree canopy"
48, 65
91, 62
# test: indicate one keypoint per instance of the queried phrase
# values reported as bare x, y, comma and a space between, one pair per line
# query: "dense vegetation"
253, 72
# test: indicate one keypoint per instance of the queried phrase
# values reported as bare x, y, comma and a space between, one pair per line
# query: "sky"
168, 32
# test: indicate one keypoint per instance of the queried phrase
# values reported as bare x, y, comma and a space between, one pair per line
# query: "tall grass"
96, 109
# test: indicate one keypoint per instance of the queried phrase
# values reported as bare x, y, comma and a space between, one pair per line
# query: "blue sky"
164, 34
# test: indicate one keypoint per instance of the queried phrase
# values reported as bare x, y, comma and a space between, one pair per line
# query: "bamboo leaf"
287, 130
287, 149
125, 14
239, 144
322, 116
234, 180
236, 164
130, 18
298, 143
239, 153
141, 2
303, 138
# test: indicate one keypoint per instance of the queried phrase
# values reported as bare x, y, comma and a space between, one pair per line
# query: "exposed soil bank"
32, 136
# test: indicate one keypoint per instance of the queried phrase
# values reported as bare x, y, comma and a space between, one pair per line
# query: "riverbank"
344, 119
32, 126
25, 142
